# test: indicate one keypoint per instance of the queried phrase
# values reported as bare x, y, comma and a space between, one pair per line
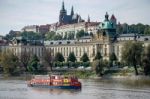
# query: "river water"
91, 89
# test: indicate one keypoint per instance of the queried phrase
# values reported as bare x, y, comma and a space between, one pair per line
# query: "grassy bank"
81, 74
129, 71
84, 74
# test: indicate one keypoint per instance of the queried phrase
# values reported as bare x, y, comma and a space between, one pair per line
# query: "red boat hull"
56, 87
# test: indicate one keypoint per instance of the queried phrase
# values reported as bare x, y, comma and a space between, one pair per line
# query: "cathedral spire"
63, 12
72, 11
88, 20
63, 6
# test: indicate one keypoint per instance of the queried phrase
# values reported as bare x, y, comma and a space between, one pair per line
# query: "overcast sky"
15, 14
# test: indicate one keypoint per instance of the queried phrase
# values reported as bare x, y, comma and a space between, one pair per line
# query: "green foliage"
11, 35
86, 64
133, 28
57, 37
119, 29
58, 64
81, 34
131, 54
98, 56
50, 35
59, 57
70, 36
9, 62
31, 35
84, 58
71, 57
81, 74
147, 30
112, 57
34, 65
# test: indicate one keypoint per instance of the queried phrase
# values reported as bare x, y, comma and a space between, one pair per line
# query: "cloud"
17, 13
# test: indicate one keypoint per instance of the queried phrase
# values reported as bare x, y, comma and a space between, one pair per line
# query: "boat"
55, 81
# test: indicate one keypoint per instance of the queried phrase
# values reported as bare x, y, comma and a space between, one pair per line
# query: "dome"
106, 25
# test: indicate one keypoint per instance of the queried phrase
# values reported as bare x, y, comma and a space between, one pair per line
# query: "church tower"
88, 20
107, 27
72, 11
113, 20
63, 13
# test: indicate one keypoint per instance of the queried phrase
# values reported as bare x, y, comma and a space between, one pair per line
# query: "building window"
60, 42
93, 51
39, 52
68, 42
67, 51
80, 51
64, 51
51, 43
76, 51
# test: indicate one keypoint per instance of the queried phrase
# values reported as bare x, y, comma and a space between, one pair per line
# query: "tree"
112, 58
24, 59
31, 35
9, 62
48, 58
147, 30
70, 36
59, 57
33, 64
80, 34
50, 35
98, 66
119, 29
131, 53
57, 37
71, 57
84, 58
98, 56
140, 28
146, 60
125, 28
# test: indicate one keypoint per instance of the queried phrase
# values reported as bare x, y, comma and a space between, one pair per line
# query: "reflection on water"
56, 91
91, 89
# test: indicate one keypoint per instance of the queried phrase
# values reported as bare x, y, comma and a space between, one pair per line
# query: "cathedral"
68, 19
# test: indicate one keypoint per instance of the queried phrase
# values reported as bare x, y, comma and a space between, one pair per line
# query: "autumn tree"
9, 62
24, 59
48, 58
146, 60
